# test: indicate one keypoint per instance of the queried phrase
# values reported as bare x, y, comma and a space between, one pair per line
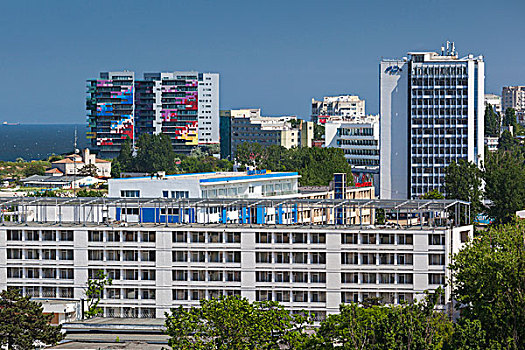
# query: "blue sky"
275, 55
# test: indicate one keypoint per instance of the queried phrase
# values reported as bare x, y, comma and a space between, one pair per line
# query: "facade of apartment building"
347, 106
514, 97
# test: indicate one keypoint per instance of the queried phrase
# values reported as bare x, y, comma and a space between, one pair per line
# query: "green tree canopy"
235, 323
22, 322
463, 181
492, 122
509, 118
94, 290
34, 168
489, 284
504, 176
154, 154
410, 326
434, 194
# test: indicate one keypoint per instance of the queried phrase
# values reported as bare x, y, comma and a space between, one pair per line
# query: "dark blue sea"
36, 141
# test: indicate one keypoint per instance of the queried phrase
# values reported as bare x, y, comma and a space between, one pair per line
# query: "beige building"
347, 106
494, 101
514, 97
73, 164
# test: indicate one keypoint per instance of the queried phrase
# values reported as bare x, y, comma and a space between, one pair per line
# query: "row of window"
206, 275
291, 296
121, 236
376, 258
205, 237
287, 258
45, 292
36, 254
35, 235
287, 276
30, 272
121, 255
203, 256
125, 274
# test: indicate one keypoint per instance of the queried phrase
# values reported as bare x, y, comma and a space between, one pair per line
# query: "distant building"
358, 138
226, 127
432, 114
74, 163
342, 106
492, 143
247, 125
183, 105
110, 111
514, 97
59, 182
494, 101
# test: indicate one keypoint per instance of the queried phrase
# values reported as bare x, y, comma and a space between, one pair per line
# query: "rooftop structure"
494, 101
53, 181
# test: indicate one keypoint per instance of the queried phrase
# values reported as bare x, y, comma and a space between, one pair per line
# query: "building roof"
216, 176
52, 179
67, 160
53, 171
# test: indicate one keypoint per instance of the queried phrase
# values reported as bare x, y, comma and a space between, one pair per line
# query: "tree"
409, 326
232, 322
463, 181
489, 284
434, 194
504, 176
88, 193
492, 122
507, 142
319, 131
34, 168
155, 153
509, 118
94, 290
22, 322
125, 157
88, 170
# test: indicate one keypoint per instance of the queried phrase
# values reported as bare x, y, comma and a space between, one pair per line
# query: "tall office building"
110, 111
432, 114
514, 97
182, 105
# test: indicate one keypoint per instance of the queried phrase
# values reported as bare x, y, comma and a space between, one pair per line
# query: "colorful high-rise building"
110, 111
182, 105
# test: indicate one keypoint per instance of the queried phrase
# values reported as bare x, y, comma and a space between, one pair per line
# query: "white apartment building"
514, 97
432, 114
358, 138
494, 101
155, 267
347, 106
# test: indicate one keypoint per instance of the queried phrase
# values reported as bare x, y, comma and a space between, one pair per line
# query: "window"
233, 237
369, 278
179, 275
215, 257
263, 276
405, 278
349, 238
49, 235
198, 275
148, 236
386, 259
147, 255
131, 274
95, 236
263, 257
113, 236
436, 259
387, 278
282, 237
436, 278
282, 258
386, 238
66, 274
349, 297
197, 237
404, 259
130, 255
113, 255
405, 239
436, 239
14, 272
130, 193
215, 276
32, 273
318, 258
114, 274
300, 277
368, 238
299, 237
233, 276
318, 238
263, 237
179, 256
282, 276
180, 194
14, 235
215, 237
464, 236
368, 259
148, 294
282, 296
233, 257
317, 297
31, 235
66, 236
197, 256
181, 294
49, 273
300, 258
300, 296
350, 258
95, 254
317, 277
49, 254
130, 236
32, 254
179, 237
263, 295
351, 277
113, 293
131, 293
